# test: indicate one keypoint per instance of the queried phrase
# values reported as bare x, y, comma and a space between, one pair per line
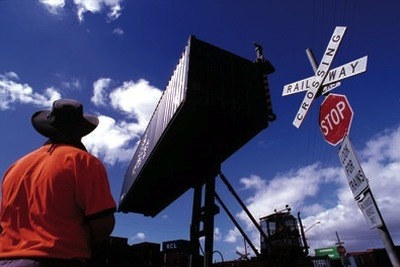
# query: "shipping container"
214, 103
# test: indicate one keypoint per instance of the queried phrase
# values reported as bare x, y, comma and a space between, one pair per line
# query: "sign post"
335, 120
358, 184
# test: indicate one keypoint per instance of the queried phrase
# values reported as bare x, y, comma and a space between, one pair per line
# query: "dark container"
214, 103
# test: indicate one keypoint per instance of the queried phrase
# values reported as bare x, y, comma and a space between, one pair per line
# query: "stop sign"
335, 116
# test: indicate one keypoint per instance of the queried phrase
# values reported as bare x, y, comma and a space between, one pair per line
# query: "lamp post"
314, 224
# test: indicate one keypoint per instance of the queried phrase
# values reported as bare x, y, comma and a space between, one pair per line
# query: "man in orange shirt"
56, 201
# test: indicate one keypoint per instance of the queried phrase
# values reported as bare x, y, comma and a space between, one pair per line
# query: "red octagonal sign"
335, 116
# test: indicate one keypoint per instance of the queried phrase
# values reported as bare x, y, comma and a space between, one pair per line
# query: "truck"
282, 243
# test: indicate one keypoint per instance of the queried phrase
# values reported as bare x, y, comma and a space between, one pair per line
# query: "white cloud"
112, 7
53, 6
217, 234
73, 83
12, 92
118, 31
11, 75
291, 187
232, 236
100, 87
137, 99
139, 236
383, 147
97, 6
112, 141
115, 10
380, 160
115, 141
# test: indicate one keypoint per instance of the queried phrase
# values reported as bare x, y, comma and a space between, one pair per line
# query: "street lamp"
314, 224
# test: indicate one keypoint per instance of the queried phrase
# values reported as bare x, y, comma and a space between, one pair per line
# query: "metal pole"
312, 59
194, 259
237, 225
389, 245
233, 192
303, 235
339, 243
314, 64
209, 213
386, 238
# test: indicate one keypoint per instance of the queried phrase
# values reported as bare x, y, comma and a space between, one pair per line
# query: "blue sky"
117, 56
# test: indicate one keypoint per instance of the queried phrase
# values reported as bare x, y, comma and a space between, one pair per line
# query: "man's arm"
101, 227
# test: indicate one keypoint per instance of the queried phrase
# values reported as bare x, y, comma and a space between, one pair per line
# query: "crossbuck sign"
323, 76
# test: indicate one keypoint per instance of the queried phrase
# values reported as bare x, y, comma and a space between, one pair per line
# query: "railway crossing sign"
335, 75
324, 77
320, 75
335, 117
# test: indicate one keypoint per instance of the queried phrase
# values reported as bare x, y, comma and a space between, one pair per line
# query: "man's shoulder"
69, 149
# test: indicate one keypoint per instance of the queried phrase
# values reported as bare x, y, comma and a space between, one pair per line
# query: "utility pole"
339, 243
341, 250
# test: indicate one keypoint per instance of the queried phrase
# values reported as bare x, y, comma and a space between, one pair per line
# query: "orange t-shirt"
48, 196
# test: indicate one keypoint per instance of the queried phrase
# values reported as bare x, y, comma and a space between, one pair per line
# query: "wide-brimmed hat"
65, 120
